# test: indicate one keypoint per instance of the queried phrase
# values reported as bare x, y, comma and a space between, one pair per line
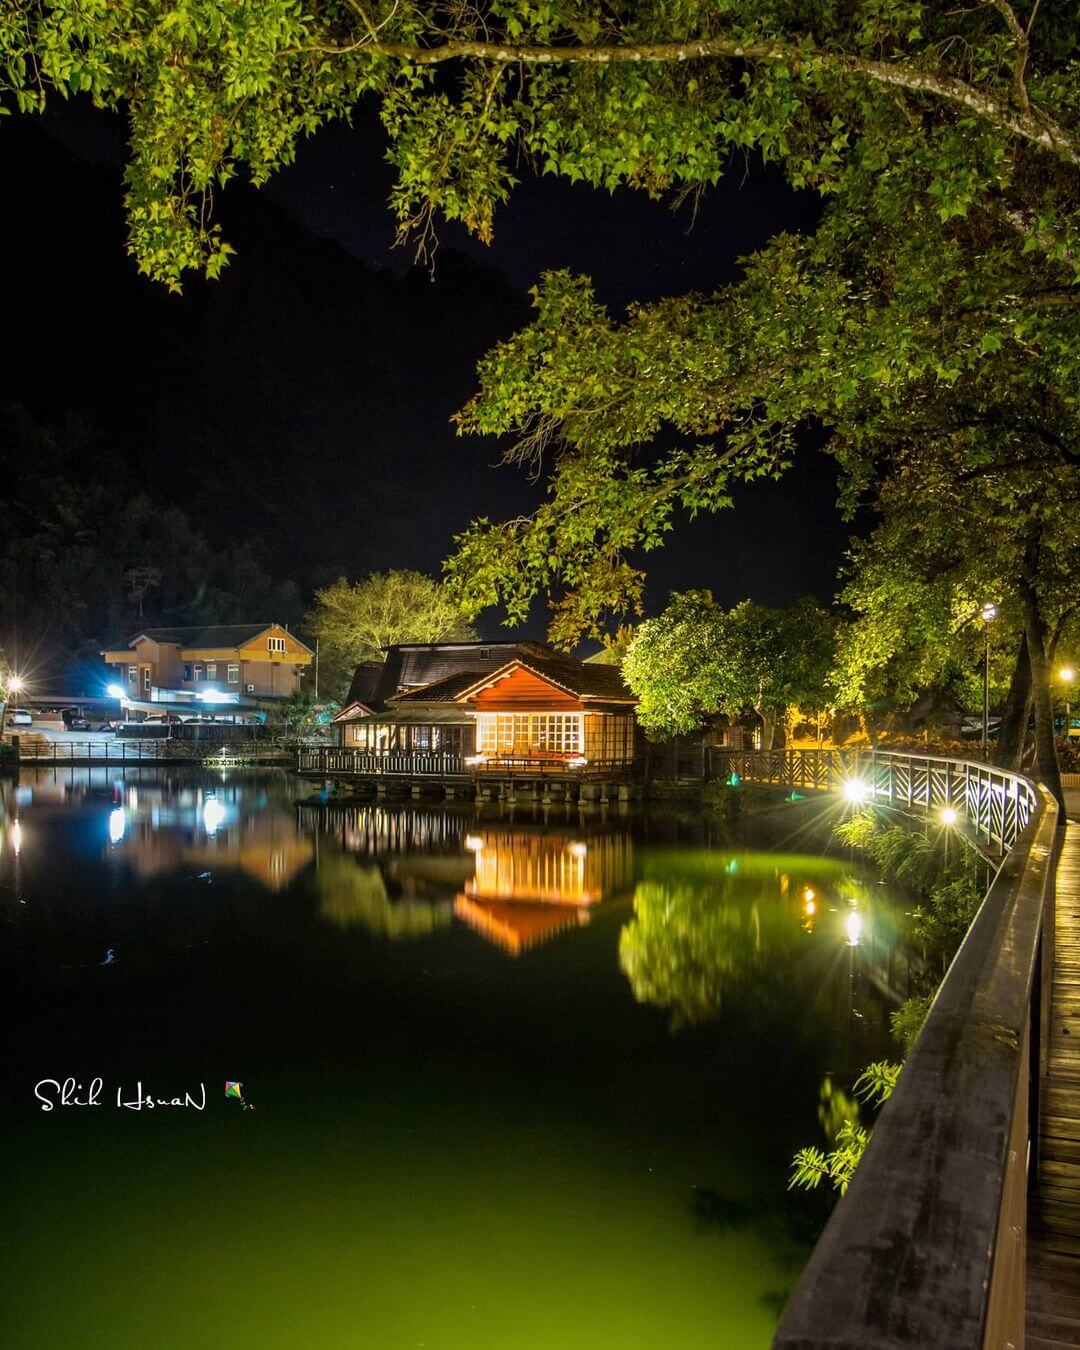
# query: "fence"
348, 761
39, 749
995, 804
927, 1248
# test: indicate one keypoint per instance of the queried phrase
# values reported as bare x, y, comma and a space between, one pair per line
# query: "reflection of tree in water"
736, 936
351, 896
687, 947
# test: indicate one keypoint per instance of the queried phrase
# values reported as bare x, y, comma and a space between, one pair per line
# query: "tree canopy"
354, 620
696, 659
654, 94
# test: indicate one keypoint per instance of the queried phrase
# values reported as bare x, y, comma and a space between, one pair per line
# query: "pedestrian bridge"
961, 1228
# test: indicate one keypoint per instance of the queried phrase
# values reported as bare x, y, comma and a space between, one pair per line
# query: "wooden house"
497, 703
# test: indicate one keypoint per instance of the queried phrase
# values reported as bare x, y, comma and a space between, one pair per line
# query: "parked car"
77, 724
20, 719
106, 726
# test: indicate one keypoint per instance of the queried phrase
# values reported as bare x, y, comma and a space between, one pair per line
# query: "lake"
502, 1077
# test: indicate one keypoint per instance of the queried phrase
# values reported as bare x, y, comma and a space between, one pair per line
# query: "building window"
517, 734
276, 644
197, 670
485, 653
421, 738
133, 674
234, 674
187, 671
211, 670
146, 679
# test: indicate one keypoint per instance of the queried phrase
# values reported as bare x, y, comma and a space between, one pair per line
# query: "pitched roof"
365, 682
204, 635
583, 680
445, 690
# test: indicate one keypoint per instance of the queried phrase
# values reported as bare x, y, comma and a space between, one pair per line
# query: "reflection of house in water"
161, 831
515, 885
529, 885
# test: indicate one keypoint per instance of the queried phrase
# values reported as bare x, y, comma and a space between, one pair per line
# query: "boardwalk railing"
927, 1248
994, 804
38, 749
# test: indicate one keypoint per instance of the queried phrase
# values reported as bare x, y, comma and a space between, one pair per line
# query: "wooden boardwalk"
1053, 1283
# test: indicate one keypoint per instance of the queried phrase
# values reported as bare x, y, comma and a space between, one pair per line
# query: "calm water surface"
507, 1080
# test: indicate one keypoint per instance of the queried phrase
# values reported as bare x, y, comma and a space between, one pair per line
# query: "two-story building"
491, 703
231, 669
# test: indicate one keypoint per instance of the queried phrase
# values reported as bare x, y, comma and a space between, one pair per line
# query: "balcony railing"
927, 1248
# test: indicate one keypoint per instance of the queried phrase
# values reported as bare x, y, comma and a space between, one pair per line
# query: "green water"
510, 1081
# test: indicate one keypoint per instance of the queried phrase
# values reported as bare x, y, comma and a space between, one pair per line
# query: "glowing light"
216, 696
809, 908
577, 761
855, 790
808, 895
1066, 674
15, 683
578, 849
115, 691
117, 824
474, 760
948, 815
854, 928
989, 611
474, 843
16, 838
213, 813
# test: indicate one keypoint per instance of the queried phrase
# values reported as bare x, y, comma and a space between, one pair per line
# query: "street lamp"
14, 684
988, 613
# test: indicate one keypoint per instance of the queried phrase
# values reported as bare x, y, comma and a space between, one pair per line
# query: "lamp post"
14, 684
989, 613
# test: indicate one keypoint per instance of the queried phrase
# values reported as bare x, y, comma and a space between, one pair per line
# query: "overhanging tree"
652, 93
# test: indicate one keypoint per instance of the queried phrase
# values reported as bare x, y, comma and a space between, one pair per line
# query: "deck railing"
35, 748
927, 1248
349, 760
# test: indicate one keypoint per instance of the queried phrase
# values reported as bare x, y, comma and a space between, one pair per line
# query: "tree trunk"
866, 721
768, 731
1045, 748
1015, 716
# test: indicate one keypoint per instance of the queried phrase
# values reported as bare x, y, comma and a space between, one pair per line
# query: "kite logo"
237, 1090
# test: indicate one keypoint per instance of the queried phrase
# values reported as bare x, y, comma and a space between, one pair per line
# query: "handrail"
927, 1247
993, 802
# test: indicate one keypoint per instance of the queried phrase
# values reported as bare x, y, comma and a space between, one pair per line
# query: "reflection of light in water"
16, 837
809, 907
133, 799
213, 814
808, 896
579, 850
854, 928
473, 843
117, 824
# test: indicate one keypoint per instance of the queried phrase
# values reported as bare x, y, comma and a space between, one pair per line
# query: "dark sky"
305, 398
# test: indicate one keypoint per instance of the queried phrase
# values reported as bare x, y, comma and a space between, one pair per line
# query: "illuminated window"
133, 674
276, 644
211, 670
146, 679
529, 733
198, 673
234, 674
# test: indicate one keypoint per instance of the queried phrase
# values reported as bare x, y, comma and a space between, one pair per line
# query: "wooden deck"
1053, 1283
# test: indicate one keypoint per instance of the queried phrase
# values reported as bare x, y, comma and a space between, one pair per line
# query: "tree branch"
1037, 128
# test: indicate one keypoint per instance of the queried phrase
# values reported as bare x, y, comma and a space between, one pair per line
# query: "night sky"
305, 399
